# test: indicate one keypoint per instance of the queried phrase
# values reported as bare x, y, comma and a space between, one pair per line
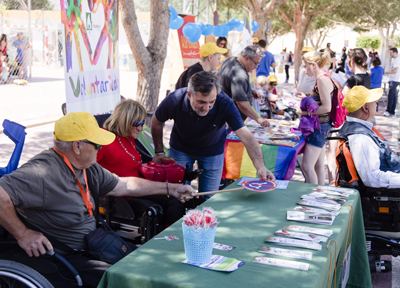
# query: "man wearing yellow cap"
306, 83
376, 164
210, 55
255, 40
54, 191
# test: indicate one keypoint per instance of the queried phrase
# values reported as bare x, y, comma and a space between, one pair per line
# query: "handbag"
167, 171
105, 245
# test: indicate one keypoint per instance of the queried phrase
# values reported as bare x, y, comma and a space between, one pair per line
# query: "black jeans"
287, 72
392, 97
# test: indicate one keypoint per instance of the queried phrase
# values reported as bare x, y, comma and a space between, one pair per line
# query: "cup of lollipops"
198, 235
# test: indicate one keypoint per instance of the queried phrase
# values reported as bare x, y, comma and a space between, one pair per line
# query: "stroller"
380, 206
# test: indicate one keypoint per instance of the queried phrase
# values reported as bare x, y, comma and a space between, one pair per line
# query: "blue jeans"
392, 97
212, 166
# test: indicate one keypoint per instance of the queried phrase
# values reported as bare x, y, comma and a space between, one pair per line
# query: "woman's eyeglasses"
97, 146
137, 124
273, 84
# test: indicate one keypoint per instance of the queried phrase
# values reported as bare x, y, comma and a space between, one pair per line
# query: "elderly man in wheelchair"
57, 191
366, 162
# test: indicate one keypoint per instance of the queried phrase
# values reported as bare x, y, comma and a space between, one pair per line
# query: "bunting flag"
280, 160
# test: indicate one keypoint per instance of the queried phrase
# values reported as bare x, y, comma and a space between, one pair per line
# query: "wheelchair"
380, 207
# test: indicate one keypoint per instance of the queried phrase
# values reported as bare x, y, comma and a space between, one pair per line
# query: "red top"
115, 159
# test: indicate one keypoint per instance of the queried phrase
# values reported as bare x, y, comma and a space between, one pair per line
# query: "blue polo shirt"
265, 64
198, 135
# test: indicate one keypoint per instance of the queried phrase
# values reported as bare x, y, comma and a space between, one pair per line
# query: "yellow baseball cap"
272, 78
307, 49
255, 40
77, 126
359, 95
211, 48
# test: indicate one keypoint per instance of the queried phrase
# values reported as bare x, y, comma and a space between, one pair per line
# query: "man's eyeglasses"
137, 124
97, 146
255, 63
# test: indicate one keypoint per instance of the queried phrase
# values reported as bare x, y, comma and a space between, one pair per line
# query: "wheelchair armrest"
334, 131
60, 259
336, 138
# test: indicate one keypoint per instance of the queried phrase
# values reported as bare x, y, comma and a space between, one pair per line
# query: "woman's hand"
300, 95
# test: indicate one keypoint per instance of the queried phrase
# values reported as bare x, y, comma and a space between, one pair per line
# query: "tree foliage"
373, 42
35, 5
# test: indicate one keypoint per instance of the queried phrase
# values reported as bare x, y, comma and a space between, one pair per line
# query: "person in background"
235, 81
254, 41
306, 83
266, 86
19, 58
122, 158
394, 81
222, 42
342, 61
291, 58
3, 49
376, 73
314, 152
332, 54
24, 45
286, 63
210, 55
267, 62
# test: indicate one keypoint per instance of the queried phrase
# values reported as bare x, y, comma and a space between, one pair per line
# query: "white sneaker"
387, 114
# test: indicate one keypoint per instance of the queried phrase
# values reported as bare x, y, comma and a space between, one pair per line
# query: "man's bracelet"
159, 152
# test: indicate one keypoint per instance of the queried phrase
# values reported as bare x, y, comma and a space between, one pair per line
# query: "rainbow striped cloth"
280, 160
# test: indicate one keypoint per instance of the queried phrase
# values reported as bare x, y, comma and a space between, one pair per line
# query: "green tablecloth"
246, 219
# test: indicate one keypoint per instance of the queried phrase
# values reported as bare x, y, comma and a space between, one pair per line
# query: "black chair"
380, 206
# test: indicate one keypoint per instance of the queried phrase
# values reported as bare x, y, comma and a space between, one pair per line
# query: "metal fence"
30, 45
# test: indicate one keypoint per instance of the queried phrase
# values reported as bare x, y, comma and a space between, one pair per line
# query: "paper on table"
220, 263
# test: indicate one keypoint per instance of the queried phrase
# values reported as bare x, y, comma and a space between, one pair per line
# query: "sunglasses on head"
97, 146
137, 123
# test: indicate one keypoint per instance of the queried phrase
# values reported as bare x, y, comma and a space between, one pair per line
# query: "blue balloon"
172, 13
208, 29
177, 23
194, 38
225, 30
240, 27
236, 22
189, 30
231, 25
254, 26
217, 31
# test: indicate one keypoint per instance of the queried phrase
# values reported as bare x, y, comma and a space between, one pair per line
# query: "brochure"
282, 263
220, 263
335, 207
337, 189
222, 247
286, 252
320, 197
315, 210
319, 231
293, 243
302, 236
330, 192
323, 219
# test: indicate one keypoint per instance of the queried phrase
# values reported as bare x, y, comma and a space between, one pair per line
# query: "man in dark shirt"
235, 81
342, 61
210, 55
200, 113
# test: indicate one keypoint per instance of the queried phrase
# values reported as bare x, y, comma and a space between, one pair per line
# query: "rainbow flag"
280, 160
247, 21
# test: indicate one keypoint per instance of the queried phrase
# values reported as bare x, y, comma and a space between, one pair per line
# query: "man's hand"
159, 158
263, 122
265, 174
34, 243
255, 94
182, 192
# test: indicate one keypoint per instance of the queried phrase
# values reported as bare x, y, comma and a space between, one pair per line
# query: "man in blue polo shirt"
267, 62
200, 113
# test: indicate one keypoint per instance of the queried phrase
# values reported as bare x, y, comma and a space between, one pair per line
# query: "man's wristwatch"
159, 152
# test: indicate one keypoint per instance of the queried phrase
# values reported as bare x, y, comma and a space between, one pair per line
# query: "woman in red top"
122, 158
3, 50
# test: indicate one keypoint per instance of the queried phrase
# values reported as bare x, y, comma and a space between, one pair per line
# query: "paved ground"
40, 102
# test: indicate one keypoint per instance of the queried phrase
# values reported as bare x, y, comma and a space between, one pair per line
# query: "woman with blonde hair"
314, 152
122, 158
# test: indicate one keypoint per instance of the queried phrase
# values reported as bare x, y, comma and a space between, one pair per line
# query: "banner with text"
90, 52
190, 51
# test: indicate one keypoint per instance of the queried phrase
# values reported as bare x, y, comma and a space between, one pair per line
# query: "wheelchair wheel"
14, 274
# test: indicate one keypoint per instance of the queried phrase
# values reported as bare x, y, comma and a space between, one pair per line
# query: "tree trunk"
260, 34
150, 59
